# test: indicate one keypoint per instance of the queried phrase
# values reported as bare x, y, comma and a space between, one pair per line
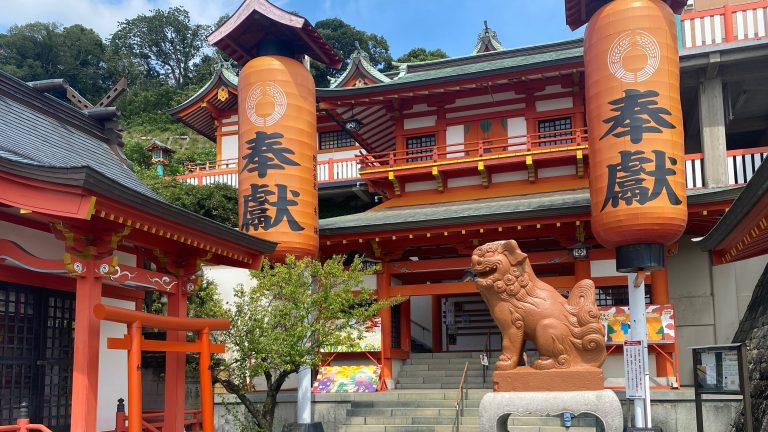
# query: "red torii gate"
134, 343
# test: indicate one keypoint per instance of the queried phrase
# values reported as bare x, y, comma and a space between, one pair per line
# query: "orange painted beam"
134, 379
461, 263
44, 198
206, 381
432, 289
124, 343
125, 316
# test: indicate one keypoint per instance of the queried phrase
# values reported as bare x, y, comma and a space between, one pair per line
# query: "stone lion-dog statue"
567, 333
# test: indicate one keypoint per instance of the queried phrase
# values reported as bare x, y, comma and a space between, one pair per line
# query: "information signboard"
721, 369
633, 369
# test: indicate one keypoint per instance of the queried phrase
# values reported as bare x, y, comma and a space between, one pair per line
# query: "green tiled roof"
477, 64
359, 57
571, 202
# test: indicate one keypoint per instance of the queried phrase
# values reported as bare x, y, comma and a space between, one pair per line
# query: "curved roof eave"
96, 182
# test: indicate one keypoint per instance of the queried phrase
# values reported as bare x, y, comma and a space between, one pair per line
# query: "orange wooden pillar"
437, 324
175, 368
660, 296
581, 270
134, 378
85, 361
206, 382
405, 326
382, 287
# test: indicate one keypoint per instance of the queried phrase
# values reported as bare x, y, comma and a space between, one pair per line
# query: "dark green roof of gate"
490, 63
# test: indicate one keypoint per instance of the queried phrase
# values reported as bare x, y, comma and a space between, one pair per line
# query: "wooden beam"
161, 345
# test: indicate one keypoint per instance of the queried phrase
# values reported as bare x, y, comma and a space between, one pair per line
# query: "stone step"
477, 372
416, 404
462, 354
444, 366
407, 428
409, 412
441, 379
446, 361
471, 385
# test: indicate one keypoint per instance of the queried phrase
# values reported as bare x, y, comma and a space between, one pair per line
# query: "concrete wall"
709, 301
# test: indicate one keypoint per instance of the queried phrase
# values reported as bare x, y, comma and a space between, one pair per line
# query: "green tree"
39, 51
342, 37
163, 43
279, 325
217, 201
421, 55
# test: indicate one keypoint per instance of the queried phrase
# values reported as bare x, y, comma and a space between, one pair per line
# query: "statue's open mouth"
484, 271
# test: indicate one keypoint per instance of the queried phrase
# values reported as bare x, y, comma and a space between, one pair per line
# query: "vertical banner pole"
304, 396
638, 331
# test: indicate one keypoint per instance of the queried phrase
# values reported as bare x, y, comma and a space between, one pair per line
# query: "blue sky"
448, 24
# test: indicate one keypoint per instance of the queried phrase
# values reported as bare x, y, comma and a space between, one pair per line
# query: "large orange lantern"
278, 154
636, 152
277, 123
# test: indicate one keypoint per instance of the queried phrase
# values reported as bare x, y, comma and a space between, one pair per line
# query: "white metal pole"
638, 331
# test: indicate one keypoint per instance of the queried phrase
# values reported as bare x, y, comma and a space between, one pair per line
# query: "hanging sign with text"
633, 369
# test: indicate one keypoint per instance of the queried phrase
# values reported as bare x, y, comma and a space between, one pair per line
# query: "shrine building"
77, 230
431, 159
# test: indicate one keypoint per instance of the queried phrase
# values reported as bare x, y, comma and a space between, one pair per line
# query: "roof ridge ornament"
487, 40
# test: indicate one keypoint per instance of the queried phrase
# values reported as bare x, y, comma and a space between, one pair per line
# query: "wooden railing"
23, 424
741, 166
152, 421
477, 150
225, 171
741, 163
726, 24
459, 403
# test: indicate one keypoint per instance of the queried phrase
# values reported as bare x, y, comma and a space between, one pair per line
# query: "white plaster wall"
229, 128
484, 98
517, 128
420, 186
509, 176
454, 140
418, 108
554, 104
229, 147
231, 119
38, 243
603, 268
113, 369
124, 258
465, 181
413, 123
227, 279
557, 171
551, 89
485, 110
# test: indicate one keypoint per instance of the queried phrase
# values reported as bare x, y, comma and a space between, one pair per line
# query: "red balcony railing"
730, 23
225, 171
741, 166
496, 148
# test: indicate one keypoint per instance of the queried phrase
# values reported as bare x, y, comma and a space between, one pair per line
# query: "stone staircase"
443, 371
424, 400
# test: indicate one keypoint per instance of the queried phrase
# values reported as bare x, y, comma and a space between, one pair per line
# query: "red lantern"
636, 152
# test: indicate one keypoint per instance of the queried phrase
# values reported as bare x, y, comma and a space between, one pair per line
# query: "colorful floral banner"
347, 379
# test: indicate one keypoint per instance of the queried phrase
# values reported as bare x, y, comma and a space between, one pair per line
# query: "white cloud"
103, 15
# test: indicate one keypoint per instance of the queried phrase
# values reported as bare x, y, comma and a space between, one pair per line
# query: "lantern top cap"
578, 12
258, 21
155, 144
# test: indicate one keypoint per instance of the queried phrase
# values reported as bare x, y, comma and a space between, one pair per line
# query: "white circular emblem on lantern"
635, 39
266, 90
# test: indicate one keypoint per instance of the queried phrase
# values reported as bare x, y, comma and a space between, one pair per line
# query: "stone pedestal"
495, 408
527, 379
